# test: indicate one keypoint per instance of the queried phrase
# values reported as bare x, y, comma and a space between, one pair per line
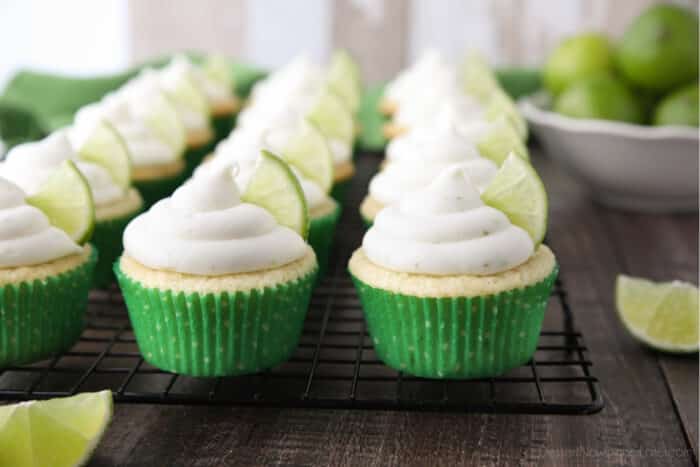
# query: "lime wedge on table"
332, 116
518, 192
662, 315
105, 147
57, 432
499, 104
275, 188
218, 68
308, 151
66, 200
500, 140
344, 79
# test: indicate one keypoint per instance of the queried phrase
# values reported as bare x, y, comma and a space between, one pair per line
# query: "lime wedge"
477, 76
344, 79
499, 141
57, 432
518, 192
104, 146
219, 69
308, 151
332, 117
161, 117
662, 315
499, 104
66, 200
275, 188
185, 92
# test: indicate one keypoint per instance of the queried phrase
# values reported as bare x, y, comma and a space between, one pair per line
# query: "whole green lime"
679, 107
600, 96
576, 57
659, 50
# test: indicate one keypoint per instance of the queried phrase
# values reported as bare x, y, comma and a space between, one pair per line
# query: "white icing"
445, 229
26, 236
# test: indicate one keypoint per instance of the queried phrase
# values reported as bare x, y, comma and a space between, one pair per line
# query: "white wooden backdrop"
89, 36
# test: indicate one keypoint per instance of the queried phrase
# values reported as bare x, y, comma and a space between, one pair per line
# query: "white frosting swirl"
205, 229
26, 236
29, 165
128, 111
300, 77
422, 154
435, 100
243, 148
215, 91
445, 229
430, 70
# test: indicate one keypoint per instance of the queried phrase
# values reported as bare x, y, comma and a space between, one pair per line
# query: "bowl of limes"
623, 117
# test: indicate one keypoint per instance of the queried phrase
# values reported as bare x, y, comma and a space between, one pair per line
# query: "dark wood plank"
638, 425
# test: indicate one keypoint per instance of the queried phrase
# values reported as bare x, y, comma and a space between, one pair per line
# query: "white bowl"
635, 167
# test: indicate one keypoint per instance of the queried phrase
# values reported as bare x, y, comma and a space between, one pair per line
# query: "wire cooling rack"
334, 366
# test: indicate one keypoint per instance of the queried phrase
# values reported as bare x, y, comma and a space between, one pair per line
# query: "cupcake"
449, 286
415, 159
152, 132
301, 90
243, 148
215, 286
45, 277
31, 164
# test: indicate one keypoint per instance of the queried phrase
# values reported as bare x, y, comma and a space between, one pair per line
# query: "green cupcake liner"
222, 334
321, 233
107, 238
456, 337
223, 124
340, 189
195, 156
158, 188
43, 317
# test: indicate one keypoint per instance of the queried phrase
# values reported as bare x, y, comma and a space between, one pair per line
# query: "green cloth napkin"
53, 99
18, 125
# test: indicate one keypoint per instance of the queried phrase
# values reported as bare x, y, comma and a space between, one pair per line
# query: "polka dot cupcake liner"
321, 231
43, 317
217, 334
456, 337
107, 238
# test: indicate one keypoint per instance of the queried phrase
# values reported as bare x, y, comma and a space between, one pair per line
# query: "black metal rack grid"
334, 366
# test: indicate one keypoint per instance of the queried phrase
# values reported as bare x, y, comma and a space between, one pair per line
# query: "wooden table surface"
650, 417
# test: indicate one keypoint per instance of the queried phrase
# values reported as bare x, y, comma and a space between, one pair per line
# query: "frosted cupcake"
152, 132
30, 165
450, 287
215, 286
244, 146
416, 158
45, 277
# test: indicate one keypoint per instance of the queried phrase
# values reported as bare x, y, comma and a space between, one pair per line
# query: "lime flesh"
661, 315
58, 432
275, 188
501, 140
105, 147
333, 117
344, 79
65, 198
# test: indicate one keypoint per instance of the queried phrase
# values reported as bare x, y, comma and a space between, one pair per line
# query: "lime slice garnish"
499, 105
344, 79
662, 315
217, 68
332, 117
478, 77
66, 200
275, 188
162, 118
308, 151
57, 432
500, 140
186, 93
104, 146
518, 192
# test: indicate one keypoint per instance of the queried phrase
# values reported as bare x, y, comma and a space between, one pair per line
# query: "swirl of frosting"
438, 98
26, 236
128, 111
431, 69
205, 229
301, 76
216, 91
422, 154
243, 147
445, 229
29, 165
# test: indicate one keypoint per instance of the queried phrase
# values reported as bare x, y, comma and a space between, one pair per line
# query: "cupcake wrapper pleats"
43, 317
107, 238
221, 334
456, 337
321, 233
